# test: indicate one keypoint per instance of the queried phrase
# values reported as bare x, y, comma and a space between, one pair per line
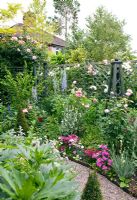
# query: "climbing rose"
25, 110
78, 93
21, 42
129, 92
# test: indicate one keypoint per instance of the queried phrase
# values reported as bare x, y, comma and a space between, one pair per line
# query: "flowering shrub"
102, 157
70, 146
17, 50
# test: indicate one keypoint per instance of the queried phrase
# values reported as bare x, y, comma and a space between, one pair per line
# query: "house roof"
55, 42
58, 41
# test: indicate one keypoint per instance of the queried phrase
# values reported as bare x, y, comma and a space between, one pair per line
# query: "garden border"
114, 182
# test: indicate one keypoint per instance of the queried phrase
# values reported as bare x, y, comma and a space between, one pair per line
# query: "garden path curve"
109, 190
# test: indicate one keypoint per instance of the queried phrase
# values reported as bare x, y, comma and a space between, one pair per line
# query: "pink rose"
25, 110
21, 42
78, 93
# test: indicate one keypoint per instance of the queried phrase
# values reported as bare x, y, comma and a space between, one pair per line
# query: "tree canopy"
105, 37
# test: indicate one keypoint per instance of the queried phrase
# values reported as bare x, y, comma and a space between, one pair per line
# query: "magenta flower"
104, 167
104, 158
102, 146
62, 148
109, 162
105, 153
69, 139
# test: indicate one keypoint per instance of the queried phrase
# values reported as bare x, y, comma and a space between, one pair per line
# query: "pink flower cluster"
70, 139
102, 157
78, 93
90, 152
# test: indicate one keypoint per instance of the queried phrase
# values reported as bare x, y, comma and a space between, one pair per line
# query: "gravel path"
109, 190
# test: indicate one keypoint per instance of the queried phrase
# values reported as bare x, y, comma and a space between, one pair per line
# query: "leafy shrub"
92, 189
57, 59
7, 117
14, 51
35, 172
116, 122
92, 136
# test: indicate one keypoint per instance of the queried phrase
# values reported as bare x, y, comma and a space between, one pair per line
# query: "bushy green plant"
57, 59
14, 51
20, 91
35, 172
123, 165
116, 121
92, 189
92, 136
7, 117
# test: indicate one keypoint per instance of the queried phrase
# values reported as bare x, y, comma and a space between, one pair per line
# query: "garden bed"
132, 186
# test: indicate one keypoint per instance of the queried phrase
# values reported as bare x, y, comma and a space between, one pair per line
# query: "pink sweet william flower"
104, 158
96, 154
104, 167
90, 152
78, 93
105, 153
110, 162
25, 110
102, 146
69, 139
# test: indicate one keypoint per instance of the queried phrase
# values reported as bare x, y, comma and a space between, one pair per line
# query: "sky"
123, 9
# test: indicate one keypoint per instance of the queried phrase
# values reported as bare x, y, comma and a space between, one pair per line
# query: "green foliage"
57, 59
105, 39
19, 88
77, 55
71, 120
35, 172
123, 165
16, 51
22, 121
67, 9
76, 40
10, 12
117, 123
92, 189
36, 23
91, 136
7, 118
